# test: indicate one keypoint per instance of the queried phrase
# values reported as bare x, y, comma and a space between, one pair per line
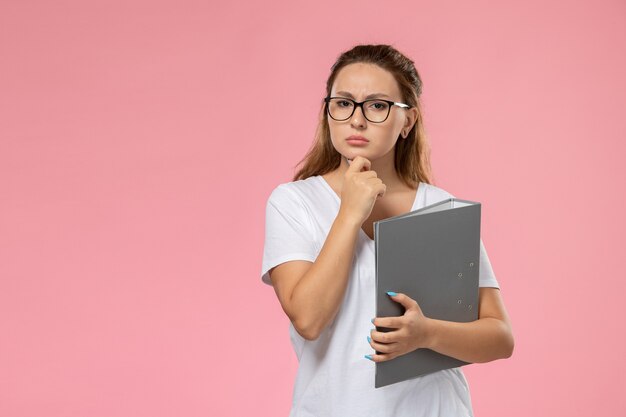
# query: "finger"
389, 322
370, 174
382, 189
385, 337
359, 163
406, 301
384, 347
381, 357
377, 184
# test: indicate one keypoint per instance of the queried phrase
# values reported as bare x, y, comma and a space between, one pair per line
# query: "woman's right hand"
361, 187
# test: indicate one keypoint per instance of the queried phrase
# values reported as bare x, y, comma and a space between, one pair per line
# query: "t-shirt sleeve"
288, 231
486, 277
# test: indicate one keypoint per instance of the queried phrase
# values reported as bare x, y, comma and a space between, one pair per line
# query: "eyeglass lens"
374, 110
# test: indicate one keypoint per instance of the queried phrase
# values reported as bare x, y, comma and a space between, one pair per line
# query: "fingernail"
391, 293
369, 357
373, 320
369, 339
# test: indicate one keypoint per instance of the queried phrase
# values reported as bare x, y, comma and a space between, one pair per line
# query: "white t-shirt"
334, 378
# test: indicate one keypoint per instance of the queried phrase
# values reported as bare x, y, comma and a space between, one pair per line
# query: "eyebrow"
375, 95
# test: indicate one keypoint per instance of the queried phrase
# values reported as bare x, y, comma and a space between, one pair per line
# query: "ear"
322, 112
411, 118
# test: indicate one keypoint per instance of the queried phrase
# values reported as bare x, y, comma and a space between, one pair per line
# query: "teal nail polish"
369, 339
391, 293
369, 357
373, 320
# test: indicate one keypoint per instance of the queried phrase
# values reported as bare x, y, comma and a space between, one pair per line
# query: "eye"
344, 103
379, 105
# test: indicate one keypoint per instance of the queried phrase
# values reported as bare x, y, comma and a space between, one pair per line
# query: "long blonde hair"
412, 155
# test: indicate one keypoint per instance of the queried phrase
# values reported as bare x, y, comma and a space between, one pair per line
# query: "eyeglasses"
375, 110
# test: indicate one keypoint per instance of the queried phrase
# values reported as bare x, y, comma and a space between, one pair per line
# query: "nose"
358, 119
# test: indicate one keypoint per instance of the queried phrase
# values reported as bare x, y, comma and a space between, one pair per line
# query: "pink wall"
139, 141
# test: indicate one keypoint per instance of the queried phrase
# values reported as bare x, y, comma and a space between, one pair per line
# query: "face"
357, 81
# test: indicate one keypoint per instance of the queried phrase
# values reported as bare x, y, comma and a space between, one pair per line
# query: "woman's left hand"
412, 331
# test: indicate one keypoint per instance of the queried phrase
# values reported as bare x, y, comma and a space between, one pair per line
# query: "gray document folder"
432, 255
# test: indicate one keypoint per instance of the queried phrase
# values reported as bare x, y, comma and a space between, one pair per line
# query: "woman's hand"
413, 331
360, 189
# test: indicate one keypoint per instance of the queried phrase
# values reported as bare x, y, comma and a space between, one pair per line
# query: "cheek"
390, 135
334, 134
396, 124
338, 132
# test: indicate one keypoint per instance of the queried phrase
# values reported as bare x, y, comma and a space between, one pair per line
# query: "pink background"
139, 141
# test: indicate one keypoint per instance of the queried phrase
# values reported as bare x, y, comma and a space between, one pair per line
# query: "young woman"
369, 162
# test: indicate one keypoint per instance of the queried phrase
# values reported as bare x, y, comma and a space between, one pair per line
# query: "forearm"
319, 293
483, 340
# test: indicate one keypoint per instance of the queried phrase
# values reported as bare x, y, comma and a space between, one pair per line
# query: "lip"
355, 138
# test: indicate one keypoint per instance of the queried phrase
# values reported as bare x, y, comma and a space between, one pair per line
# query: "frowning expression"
359, 82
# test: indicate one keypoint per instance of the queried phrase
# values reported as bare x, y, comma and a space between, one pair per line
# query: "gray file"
432, 255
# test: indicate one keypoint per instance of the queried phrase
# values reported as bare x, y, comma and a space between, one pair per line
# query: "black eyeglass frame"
360, 104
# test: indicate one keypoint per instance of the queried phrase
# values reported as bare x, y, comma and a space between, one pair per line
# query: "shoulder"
293, 192
433, 193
